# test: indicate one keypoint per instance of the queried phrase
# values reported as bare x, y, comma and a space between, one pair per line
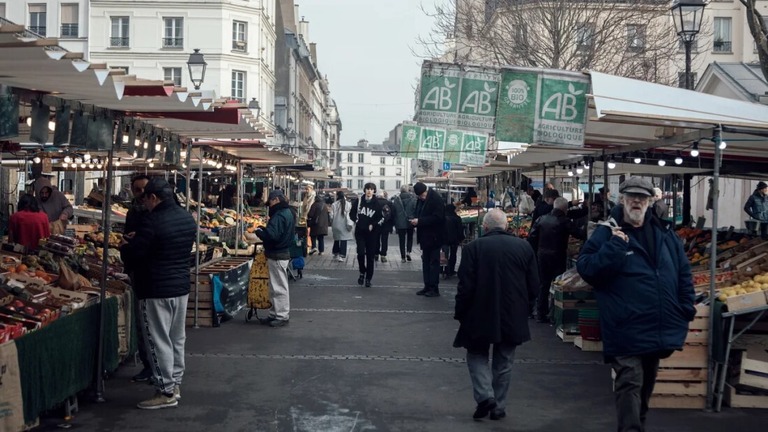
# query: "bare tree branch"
759, 29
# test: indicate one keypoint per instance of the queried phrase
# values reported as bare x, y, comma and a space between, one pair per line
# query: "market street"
357, 359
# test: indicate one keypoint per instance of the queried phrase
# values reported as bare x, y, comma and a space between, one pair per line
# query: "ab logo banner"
542, 107
458, 97
441, 145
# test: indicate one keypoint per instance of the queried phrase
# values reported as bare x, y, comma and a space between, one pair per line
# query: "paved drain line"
400, 311
386, 358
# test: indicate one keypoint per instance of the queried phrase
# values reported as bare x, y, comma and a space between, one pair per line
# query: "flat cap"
636, 185
277, 193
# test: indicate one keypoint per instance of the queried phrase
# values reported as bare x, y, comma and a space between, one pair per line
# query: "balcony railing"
37, 29
722, 46
119, 42
173, 42
69, 30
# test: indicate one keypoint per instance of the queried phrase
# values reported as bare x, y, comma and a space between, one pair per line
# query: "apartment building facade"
376, 164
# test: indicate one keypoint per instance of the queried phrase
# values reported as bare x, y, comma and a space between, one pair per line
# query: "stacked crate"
206, 315
682, 378
571, 295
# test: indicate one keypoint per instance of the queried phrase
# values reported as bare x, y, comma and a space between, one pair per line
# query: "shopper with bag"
405, 206
453, 235
318, 220
342, 227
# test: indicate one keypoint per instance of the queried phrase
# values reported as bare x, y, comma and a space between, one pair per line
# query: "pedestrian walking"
368, 217
660, 208
278, 236
405, 206
159, 255
342, 226
642, 281
549, 239
388, 212
429, 221
453, 235
498, 276
318, 220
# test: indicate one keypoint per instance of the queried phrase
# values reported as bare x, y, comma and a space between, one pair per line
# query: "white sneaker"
340, 259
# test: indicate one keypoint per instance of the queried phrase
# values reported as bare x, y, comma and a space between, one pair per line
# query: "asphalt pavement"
372, 359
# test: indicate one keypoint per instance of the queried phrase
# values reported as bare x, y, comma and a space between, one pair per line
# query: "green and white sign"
542, 107
458, 97
441, 145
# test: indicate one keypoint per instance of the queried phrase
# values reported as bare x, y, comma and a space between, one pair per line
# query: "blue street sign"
446, 166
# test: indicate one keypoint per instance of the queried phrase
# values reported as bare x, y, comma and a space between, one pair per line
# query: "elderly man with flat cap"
642, 281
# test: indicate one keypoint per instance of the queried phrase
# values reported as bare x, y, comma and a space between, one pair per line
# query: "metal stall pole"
106, 212
712, 269
188, 188
591, 180
197, 239
674, 200
605, 186
239, 209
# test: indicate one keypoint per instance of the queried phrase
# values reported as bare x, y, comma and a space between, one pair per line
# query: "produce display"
756, 283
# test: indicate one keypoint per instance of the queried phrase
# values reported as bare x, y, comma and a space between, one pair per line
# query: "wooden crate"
566, 336
754, 369
692, 356
587, 345
678, 401
735, 400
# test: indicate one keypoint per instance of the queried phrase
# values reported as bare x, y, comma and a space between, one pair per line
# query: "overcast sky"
365, 47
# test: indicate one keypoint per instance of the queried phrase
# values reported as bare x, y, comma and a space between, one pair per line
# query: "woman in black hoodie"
368, 216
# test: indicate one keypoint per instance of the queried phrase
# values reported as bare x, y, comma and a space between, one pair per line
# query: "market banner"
458, 96
11, 405
441, 145
542, 107
9, 113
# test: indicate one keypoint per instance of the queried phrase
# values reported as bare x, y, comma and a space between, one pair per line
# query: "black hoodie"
366, 213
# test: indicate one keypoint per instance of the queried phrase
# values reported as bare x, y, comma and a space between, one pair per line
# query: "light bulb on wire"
67, 159
695, 150
86, 156
579, 170
723, 145
678, 159
638, 159
36, 159
662, 162
611, 164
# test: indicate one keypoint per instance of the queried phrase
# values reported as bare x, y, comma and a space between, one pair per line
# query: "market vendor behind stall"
28, 225
56, 206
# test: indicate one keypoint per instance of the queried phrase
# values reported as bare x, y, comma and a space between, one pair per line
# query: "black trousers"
318, 242
430, 268
450, 253
367, 247
403, 236
340, 248
384, 240
632, 388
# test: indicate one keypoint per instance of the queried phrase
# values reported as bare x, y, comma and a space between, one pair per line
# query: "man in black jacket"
429, 221
453, 235
135, 218
278, 237
549, 238
159, 250
497, 276
368, 217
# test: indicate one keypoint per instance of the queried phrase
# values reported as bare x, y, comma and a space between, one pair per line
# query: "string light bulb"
86, 156
151, 164
579, 170
570, 171
695, 149
611, 164
679, 159
638, 159
65, 164
36, 159
67, 159
662, 162
723, 145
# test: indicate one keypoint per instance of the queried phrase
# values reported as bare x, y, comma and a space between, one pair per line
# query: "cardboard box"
746, 301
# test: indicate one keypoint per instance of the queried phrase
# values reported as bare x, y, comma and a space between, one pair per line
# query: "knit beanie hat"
419, 188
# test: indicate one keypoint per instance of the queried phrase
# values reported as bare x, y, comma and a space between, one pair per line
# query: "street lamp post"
687, 16
196, 65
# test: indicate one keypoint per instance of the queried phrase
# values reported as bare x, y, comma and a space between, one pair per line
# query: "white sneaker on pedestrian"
340, 258
313, 251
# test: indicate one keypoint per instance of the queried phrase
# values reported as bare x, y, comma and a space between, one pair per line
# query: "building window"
69, 20
119, 36
383, 161
361, 157
37, 19
349, 171
172, 74
636, 37
398, 184
360, 171
722, 35
174, 33
349, 184
359, 184
381, 185
123, 69
238, 85
349, 157
382, 171
585, 37
239, 36
2, 10
398, 161
681, 79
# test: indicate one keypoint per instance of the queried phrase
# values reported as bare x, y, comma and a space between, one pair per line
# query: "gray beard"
635, 217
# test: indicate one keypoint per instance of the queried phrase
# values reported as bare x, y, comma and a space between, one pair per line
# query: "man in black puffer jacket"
549, 239
429, 221
159, 251
278, 237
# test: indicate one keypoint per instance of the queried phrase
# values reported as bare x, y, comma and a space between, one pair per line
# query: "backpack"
298, 263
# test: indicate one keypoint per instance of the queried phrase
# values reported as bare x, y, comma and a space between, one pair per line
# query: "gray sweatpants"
163, 320
278, 289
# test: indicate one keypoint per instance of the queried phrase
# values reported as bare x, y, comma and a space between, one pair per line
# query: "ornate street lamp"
197, 65
254, 105
687, 16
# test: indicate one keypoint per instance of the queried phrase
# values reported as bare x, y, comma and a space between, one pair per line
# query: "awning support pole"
197, 238
712, 270
106, 212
